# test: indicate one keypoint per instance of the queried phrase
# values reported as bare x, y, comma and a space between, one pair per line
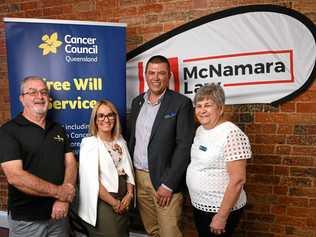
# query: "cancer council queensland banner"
82, 62
259, 54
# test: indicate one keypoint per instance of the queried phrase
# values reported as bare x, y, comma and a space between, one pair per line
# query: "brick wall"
281, 183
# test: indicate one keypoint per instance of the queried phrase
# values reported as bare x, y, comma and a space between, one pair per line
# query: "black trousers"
203, 220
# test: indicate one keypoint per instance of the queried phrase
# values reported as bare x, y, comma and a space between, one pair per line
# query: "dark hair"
158, 59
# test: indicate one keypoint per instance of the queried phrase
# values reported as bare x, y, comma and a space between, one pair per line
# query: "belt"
140, 170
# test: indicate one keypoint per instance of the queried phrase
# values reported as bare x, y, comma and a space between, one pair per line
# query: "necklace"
108, 143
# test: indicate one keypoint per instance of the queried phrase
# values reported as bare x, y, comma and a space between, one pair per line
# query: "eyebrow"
32, 88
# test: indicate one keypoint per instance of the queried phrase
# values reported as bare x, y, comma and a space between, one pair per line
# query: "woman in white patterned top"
106, 175
217, 172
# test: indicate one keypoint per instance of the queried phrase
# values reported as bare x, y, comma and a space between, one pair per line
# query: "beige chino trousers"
158, 221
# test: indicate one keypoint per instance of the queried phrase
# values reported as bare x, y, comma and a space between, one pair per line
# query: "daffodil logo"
51, 43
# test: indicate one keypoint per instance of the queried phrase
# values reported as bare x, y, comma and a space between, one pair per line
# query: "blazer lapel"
135, 113
105, 154
160, 114
139, 106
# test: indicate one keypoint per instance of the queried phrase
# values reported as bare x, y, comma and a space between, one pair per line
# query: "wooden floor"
4, 232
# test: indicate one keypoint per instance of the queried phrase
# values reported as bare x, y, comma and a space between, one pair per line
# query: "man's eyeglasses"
110, 116
34, 93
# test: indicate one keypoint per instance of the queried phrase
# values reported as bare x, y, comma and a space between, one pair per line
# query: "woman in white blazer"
106, 175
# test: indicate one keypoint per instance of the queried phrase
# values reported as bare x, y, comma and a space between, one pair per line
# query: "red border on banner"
174, 64
290, 52
141, 77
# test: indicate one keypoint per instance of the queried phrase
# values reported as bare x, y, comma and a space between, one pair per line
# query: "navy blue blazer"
170, 141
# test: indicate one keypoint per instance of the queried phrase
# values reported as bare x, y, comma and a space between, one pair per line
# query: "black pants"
203, 220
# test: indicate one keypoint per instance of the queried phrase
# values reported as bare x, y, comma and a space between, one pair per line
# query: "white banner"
260, 54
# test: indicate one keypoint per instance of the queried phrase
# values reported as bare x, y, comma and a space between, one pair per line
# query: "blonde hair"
93, 128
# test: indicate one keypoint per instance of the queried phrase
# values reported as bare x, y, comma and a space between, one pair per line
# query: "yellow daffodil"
51, 43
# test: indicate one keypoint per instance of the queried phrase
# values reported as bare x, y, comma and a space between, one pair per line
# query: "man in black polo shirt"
39, 165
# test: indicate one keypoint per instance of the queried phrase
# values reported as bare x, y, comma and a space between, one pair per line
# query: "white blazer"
91, 150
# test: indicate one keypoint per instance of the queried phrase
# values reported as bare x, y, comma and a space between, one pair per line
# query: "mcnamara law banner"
259, 54
82, 62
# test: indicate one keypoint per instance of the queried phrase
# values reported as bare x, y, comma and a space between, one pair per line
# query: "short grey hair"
30, 78
212, 91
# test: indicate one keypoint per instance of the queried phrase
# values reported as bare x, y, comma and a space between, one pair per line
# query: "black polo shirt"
42, 153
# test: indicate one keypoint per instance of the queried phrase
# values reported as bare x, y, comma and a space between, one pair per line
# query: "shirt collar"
146, 97
21, 120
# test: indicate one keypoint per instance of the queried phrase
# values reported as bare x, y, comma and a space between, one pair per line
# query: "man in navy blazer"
162, 130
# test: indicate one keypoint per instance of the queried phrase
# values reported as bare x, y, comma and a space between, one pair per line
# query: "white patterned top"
207, 176
116, 152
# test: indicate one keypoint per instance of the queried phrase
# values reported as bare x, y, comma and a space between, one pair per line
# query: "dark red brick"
281, 174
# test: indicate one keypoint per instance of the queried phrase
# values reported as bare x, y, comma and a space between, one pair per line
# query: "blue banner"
82, 62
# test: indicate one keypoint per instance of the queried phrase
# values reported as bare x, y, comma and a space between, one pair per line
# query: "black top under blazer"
170, 141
